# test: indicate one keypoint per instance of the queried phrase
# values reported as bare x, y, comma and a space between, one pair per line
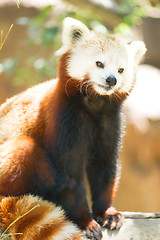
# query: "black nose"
111, 80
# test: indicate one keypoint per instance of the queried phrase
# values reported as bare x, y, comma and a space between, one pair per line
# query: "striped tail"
31, 218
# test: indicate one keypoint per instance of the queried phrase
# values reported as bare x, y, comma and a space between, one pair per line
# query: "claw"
112, 219
93, 231
113, 225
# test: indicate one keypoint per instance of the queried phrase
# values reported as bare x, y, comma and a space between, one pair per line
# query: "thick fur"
54, 132
36, 219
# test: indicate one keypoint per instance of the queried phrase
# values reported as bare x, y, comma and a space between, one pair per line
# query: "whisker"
81, 85
85, 82
66, 86
87, 85
92, 93
109, 97
117, 96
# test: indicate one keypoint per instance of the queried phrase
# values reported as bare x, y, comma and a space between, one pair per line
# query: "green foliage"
133, 16
38, 61
9, 65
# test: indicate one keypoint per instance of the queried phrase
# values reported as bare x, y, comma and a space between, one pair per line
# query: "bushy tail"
31, 218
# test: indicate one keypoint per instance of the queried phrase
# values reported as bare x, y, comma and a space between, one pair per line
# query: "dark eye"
99, 64
121, 70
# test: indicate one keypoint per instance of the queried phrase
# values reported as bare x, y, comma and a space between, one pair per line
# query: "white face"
107, 67
108, 62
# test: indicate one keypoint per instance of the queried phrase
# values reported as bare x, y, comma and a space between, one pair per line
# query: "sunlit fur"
112, 51
36, 219
58, 131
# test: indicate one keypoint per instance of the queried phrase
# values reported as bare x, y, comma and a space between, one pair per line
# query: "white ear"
73, 31
137, 49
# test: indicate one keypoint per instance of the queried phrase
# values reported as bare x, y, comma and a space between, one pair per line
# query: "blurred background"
27, 58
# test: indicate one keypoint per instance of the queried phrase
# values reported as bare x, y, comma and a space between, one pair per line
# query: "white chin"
103, 91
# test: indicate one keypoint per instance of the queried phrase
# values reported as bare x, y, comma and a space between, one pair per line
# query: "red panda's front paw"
112, 219
93, 231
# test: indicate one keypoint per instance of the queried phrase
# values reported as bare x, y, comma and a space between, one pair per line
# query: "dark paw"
112, 219
93, 231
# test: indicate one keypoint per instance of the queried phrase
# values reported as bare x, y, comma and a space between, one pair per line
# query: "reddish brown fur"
23, 158
120, 97
69, 85
53, 133
107, 197
109, 192
54, 103
52, 106
39, 224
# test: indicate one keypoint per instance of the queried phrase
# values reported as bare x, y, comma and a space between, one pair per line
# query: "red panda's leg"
103, 182
71, 196
24, 168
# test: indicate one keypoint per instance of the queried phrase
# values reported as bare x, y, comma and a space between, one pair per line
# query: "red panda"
54, 133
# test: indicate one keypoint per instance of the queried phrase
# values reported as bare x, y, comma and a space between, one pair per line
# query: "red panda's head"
108, 61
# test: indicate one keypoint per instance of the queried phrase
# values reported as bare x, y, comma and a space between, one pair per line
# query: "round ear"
137, 49
73, 31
